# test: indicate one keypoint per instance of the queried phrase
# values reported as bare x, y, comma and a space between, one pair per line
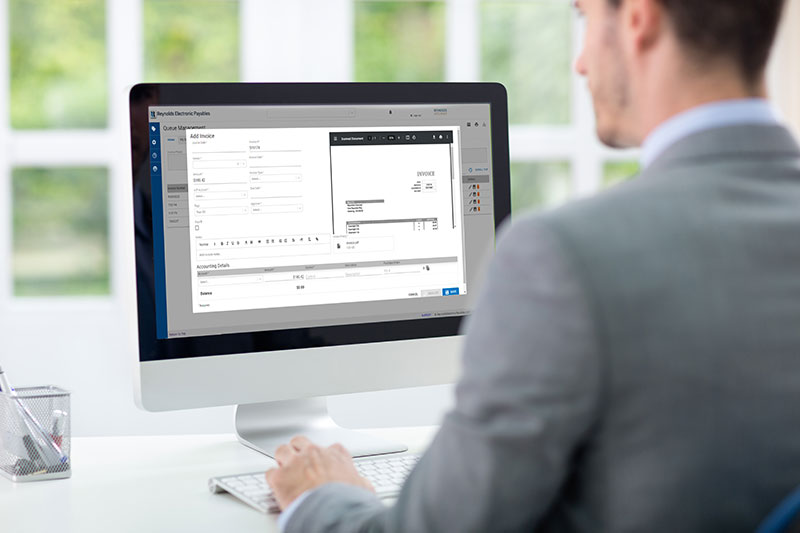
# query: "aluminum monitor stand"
265, 426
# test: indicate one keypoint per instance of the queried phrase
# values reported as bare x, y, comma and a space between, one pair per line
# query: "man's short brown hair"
738, 30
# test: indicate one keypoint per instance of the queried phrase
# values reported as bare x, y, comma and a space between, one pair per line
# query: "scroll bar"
452, 177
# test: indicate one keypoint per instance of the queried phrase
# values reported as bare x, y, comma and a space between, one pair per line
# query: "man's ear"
643, 24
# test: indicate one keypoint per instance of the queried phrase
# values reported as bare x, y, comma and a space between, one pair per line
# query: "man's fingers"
284, 454
300, 443
315, 456
270, 475
340, 451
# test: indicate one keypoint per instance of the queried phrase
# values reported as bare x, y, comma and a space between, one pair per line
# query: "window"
191, 40
61, 66
60, 231
399, 41
618, 171
539, 185
527, 46
58, 94
58, 64
70, 64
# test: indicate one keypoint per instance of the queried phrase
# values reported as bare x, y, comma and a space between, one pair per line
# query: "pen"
4, 386
59, 418
33, 454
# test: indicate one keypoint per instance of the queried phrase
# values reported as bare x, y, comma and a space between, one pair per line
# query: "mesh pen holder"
35, 434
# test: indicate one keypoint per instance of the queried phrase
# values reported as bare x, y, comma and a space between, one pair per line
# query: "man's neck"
696, 88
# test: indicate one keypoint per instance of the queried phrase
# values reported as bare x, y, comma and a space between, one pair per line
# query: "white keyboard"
386, 473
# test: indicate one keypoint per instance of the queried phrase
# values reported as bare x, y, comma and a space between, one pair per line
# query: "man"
634, 361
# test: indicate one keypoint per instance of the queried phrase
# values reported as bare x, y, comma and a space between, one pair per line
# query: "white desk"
150, 484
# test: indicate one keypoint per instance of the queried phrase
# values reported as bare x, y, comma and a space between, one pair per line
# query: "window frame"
277, 24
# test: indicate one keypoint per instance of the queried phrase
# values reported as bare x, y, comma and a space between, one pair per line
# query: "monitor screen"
265, 225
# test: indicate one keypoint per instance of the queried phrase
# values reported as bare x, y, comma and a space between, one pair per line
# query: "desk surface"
150, 484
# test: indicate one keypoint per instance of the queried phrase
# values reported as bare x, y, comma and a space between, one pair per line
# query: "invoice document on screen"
283, 217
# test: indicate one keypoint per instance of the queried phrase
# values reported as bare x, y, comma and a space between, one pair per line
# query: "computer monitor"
295, 241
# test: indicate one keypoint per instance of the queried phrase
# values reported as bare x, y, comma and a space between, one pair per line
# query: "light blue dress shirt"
705, 117
283, 519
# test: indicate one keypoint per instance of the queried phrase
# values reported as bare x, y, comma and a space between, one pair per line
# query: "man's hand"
302, 465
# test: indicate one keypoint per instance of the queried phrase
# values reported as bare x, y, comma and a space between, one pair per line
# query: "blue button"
450, 292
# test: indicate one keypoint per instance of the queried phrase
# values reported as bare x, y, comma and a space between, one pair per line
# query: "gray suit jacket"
633, 364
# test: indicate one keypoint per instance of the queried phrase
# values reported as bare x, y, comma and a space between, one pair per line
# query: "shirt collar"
704, 117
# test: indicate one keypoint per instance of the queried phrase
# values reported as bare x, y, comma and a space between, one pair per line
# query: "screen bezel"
208, 94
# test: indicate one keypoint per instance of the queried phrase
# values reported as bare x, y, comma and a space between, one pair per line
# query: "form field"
220, 163
221, 195
259, 177
257, 252
270, 209
217, 211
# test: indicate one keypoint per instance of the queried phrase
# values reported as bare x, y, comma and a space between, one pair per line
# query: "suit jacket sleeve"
526, 400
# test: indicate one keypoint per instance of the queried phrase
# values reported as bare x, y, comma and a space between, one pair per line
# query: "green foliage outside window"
539, 185
618, 171
528, 47
58, 64
191, 40
60, 233
399, 41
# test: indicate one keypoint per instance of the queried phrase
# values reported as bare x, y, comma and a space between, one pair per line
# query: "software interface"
275, 217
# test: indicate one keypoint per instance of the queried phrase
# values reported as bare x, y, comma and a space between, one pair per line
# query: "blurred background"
66, 277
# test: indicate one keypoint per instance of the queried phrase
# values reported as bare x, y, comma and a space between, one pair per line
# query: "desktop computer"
296, 241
